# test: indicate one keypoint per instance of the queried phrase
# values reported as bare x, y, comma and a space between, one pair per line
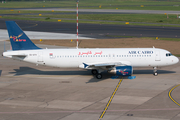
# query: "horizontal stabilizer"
14, 54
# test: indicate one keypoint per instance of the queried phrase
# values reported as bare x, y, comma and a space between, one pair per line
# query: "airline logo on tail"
17, 38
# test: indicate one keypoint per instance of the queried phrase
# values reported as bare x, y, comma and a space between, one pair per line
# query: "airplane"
119, 61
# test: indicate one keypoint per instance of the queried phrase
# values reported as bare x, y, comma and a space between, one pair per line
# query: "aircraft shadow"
151, 72
33, 71
135, 72
29, 70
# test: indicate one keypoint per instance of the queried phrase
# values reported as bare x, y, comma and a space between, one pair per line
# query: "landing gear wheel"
155, 74
98, 76
155, 71
94, 72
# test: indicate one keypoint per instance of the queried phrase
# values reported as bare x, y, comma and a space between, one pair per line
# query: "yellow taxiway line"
172, 97
110, 100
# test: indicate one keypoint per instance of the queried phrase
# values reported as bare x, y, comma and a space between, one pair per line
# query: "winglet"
19, 40
85, 65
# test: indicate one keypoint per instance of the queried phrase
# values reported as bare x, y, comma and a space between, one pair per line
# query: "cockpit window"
168, 54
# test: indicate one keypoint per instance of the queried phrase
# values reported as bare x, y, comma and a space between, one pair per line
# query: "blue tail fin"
19, 40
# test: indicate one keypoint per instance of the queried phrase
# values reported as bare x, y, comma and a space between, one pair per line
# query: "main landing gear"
155, 71
96, 73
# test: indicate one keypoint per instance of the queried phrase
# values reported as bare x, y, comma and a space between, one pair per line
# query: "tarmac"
43, 35
33, 92
98, 31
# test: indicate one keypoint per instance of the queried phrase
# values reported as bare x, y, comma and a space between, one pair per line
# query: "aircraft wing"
104, 64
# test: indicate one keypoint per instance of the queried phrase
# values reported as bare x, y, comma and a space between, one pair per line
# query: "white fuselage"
136, 57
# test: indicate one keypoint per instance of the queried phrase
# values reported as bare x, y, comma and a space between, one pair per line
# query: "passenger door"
157, 56
40, 56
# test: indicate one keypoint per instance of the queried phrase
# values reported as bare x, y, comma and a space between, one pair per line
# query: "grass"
129, 7
152, 18
150, 38
170, 39
120, 19
148, 18
166, 39
25, 18
105, 18
38, 4
82, 21
177, 55
119, 36
12, 11
94, 4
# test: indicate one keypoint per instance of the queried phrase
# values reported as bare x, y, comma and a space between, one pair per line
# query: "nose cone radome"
176, 60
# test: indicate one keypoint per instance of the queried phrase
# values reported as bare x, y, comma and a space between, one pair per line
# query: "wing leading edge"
105, 65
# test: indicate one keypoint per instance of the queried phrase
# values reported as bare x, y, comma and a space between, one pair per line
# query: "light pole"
77, 24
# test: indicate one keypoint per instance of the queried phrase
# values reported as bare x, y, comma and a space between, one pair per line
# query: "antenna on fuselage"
77, 24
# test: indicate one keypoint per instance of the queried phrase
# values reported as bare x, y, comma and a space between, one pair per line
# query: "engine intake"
122, 70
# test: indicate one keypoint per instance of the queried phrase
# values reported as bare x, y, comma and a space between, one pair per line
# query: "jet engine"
122, 70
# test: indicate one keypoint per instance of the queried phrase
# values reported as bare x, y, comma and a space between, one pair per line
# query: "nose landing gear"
155, 71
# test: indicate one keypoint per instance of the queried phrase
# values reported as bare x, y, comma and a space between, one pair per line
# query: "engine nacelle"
122, 70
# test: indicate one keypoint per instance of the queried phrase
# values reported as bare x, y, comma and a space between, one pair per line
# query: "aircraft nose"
176, 60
